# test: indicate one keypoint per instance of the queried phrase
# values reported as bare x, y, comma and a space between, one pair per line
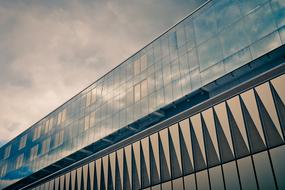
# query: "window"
140, 90
37, 133
23, 142
46, 146
19, 161
86, 122
140, 64
7, 152
34, 152
59, 138
48, 125
61, 117
88, 98
93, 92
3, 170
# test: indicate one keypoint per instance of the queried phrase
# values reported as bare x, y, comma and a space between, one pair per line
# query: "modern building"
200, 107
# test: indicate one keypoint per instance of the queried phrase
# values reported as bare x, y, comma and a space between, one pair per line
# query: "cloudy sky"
52, 49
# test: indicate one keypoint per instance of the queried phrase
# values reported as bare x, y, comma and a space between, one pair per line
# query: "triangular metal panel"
249, 101
51, 184
110, 176
113, 167
79, 177
222, 116
272, 134
120, 158
128, 167
105, 170
235, 109
164, 155
56, 183
85, 176
73, 179
67, 181
186, 147
198, 142
210, 133
255, 140
280, 108
278, 84
239, 139
62, 182
136, 163
154, 159
91, 174
145, 163
265, 96
226, 152
175, 151
98, 173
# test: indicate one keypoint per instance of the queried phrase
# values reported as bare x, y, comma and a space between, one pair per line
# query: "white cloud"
50, 50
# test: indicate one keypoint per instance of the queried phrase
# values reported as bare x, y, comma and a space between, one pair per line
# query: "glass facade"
221, 36
161, 160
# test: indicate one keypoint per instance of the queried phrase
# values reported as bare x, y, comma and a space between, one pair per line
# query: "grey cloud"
50, 50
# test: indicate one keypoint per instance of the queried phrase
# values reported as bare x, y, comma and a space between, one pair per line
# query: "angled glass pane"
186, 147
209, 53
259, 22
154, 159
198, 142
205, 25
211, 141
175, 152
238, 127
266, 44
